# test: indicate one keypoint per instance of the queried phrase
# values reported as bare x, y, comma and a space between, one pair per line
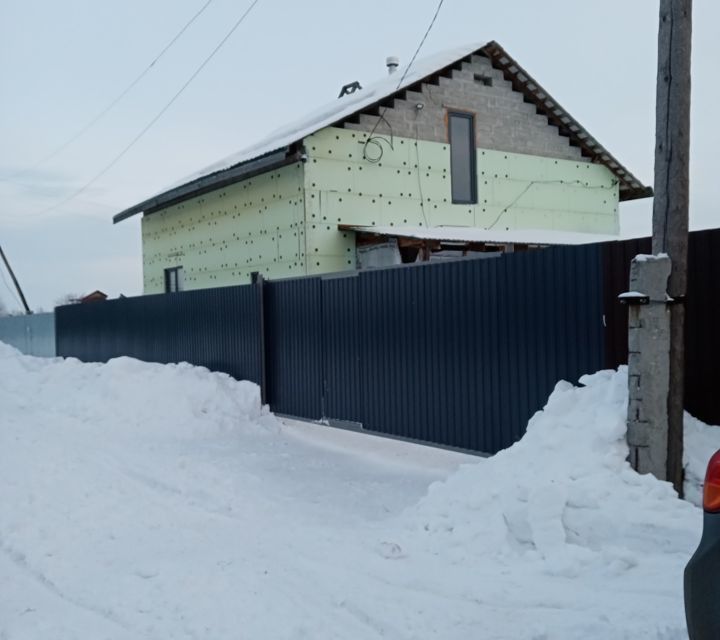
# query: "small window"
483, 79
173, 279
463, 178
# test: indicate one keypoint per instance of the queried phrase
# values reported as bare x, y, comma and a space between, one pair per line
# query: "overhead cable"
157, 117
80, 132
372, 138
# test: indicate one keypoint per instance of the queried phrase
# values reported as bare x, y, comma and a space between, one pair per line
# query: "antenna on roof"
350, 88
392, 63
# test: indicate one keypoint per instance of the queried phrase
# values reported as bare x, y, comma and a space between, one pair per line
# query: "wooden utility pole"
670, 208
15, 282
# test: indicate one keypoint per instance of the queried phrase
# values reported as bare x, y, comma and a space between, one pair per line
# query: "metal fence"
459, 353
33, 335
213, 328
702, 339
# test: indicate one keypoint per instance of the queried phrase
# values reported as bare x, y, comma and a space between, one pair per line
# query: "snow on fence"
33, 335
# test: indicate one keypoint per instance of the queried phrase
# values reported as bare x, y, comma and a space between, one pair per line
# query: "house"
95, 296
465, 153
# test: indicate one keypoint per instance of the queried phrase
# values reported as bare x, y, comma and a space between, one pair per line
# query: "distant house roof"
95, 296
282, 146
549, 237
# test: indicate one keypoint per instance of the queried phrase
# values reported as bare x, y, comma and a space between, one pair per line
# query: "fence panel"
702, 338
293, 322
616, 271
342, 397
33, 335
463, 353
213, 328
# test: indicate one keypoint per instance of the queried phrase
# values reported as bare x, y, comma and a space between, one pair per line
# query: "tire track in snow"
19, 559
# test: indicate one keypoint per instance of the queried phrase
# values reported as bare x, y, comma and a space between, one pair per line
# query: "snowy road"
149, 501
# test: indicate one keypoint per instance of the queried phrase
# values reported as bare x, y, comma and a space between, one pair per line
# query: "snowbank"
564, 505
178, 400
149, 501
161, 501
565, 493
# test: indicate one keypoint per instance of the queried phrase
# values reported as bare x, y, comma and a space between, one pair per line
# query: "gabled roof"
282, 146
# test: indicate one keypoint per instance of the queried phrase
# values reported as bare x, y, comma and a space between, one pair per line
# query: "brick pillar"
649, 366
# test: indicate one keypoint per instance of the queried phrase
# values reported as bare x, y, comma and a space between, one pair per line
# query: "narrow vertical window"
463, 178
173, 279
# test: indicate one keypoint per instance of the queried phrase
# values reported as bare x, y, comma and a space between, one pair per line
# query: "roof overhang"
544, 237
216, 180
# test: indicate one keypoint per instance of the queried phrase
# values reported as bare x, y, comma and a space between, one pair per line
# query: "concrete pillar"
649, 366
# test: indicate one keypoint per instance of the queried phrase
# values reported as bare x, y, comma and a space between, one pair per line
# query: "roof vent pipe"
392, 63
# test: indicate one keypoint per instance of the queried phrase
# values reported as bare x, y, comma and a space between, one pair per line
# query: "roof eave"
568, 126
205, 184
636, 194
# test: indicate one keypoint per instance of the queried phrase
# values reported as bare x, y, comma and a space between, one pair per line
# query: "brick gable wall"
503, 121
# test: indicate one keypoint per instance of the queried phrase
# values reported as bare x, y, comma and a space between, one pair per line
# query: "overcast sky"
61, 63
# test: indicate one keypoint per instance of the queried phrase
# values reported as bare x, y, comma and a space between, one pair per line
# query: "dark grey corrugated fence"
459, 353
213, 328
465, 352
294, 347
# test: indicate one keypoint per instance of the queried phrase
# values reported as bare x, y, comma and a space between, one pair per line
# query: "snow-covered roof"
338, 110
270, 152
492, 236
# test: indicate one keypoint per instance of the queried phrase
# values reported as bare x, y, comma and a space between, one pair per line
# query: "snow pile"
175, 399
149, 501
564, 495
562, 513
161, 501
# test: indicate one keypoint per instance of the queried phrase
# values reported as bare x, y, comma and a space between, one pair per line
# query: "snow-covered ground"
149, 501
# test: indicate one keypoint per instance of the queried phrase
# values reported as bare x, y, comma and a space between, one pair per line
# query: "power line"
157, 117
120, 96
422, 42
371, 139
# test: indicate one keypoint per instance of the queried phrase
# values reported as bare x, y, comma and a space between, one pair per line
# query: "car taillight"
711, 494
